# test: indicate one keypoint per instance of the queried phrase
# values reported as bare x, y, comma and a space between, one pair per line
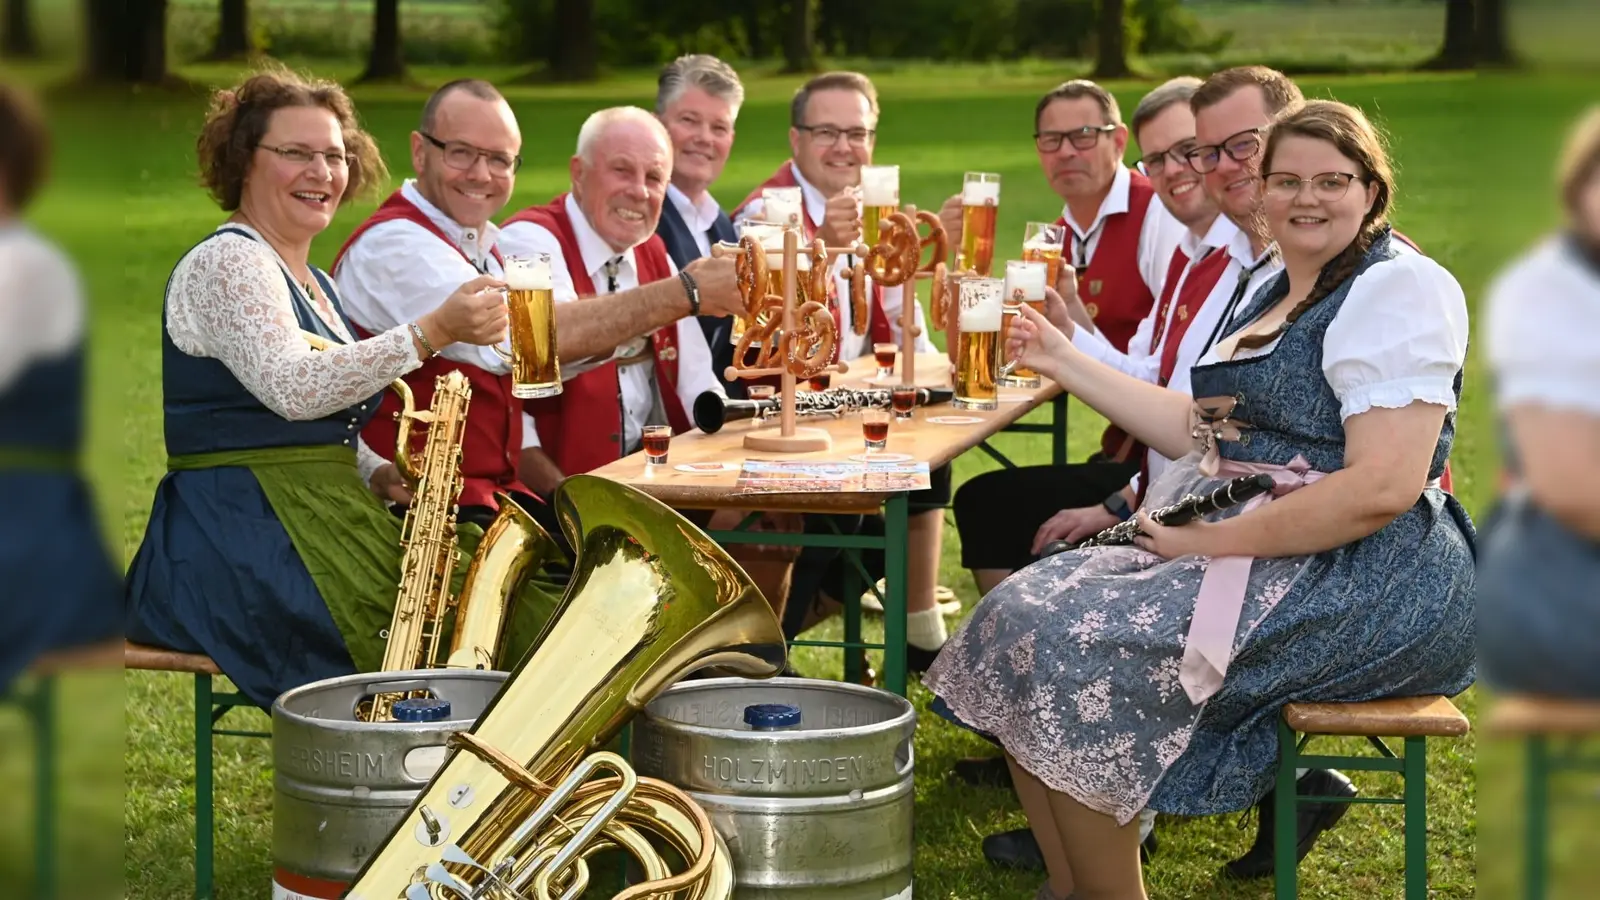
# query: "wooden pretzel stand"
896, 260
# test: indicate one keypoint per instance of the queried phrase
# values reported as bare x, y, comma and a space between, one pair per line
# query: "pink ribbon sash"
1209, 647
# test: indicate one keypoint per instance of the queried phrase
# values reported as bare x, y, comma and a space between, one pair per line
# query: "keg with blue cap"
340, 784
808, 782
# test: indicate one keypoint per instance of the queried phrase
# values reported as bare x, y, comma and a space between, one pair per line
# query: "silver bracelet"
423, 340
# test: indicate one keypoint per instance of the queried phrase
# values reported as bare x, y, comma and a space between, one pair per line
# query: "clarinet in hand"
1239, 490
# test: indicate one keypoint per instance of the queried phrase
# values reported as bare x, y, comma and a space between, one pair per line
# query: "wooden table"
924, 441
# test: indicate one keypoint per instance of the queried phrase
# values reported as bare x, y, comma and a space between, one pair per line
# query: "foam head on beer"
880, 186
980, 189
1025, 281
528, 273
982, 304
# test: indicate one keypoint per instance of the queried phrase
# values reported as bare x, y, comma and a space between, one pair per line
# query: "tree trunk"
1494, 44
1460, 50
1111, 55
20, 41
800, 38
385, 62
754, 34
146, 40
233, 31
105, 57
574, 53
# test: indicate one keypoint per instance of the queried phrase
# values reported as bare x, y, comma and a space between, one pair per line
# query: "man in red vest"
607, 260
422, 243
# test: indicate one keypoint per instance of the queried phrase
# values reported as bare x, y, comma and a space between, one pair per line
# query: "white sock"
1147, 823
1300, 773
925, 629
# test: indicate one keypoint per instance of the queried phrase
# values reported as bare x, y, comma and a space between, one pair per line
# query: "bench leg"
44, 741
1416, 829
203, 812
1538, 813
1285, 838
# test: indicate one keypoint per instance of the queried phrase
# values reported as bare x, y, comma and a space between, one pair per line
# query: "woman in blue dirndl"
1118, 678
266, 549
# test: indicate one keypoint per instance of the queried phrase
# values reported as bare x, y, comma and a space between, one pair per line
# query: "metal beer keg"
340, 784
818, 808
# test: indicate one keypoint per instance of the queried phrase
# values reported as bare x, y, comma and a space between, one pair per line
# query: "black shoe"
1020, 850
1313, 820
919, 660
983, 771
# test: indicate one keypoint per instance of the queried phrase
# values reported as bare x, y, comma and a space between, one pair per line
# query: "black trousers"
998, 513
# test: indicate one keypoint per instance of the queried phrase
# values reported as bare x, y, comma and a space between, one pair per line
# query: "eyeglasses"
1329, 186
1082, 138
1241, 147
302, 156
1155, 162
829, 135
462, 155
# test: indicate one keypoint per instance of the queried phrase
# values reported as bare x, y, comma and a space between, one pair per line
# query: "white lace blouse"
1400, 336
1543, 330
229, 301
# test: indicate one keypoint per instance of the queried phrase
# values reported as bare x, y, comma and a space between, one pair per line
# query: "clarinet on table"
1190, 507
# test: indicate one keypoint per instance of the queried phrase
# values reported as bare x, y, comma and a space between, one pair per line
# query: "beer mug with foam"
530, 300
981, 308
1024, 284
880, 199
782, 206
980, 207
1044, 242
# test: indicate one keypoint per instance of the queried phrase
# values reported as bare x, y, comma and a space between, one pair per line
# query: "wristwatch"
692, 289
1117, 505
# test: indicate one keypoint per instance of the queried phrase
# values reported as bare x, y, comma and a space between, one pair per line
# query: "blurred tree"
800, 37
19, 41
233, 31
1111, 50
1494, 44
574, 54
385, 61
128, 41
1460, 50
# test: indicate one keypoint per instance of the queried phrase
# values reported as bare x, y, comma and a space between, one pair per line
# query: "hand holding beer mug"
982, 307
980, 208
1033, 342
530, 303
880, 199
1024, 285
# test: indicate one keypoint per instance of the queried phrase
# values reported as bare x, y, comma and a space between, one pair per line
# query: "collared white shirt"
1542, 329
851, 345
397, 272
1159, 235
695, 375
699, 218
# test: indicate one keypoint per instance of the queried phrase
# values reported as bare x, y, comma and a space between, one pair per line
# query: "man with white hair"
698, 99
617, 290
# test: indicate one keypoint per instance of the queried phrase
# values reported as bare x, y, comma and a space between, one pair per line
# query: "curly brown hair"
1348, 130
24, 147
240, 115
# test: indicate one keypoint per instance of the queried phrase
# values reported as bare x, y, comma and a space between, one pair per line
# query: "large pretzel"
813, 328
894, 260
936, 237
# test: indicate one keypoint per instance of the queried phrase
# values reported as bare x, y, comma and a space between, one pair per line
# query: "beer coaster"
955, 420
880, 457
706, 468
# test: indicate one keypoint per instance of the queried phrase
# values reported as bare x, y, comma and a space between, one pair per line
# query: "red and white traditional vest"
491, 443
582, 427
877, 321
1114, 293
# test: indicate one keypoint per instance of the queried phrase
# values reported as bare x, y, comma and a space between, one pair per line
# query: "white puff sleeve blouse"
1543, 330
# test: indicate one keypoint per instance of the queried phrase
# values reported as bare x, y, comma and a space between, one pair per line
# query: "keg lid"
771, 715
422, 709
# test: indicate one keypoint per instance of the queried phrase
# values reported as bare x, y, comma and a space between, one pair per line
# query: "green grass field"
125, 203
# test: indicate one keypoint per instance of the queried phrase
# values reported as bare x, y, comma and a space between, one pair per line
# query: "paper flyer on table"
795, 477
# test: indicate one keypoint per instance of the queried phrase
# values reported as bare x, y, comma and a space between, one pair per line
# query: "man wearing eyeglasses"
419, 246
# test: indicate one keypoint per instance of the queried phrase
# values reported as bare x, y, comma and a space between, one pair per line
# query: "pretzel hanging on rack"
807, 350
897, 259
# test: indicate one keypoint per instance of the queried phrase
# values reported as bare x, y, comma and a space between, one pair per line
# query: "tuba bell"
527, 795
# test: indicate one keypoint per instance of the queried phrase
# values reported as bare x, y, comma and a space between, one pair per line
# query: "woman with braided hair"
1123, 677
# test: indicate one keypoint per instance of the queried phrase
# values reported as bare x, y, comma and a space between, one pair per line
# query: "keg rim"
905, 718
280, 703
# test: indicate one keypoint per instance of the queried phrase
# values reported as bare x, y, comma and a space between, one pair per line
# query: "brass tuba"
515, 810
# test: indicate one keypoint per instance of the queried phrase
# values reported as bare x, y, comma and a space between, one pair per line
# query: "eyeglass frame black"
1067, 137
345, 159
1200, 150
1179, 153
1349, 179
516, 159
868, 134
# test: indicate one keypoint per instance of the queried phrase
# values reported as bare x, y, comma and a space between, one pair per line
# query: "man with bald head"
622, 318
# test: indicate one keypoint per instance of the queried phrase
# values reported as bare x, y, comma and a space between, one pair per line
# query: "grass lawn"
126, 205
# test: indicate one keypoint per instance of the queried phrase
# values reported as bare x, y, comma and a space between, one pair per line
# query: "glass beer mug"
530, 301
880, 199
981, 308
1025, 283
980, 207
1044, 242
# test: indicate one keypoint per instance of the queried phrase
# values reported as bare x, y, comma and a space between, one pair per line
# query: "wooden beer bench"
35, 694
1543, 722
1415, 719
209, 708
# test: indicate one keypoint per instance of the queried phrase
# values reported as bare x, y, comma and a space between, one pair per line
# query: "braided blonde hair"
1348, 130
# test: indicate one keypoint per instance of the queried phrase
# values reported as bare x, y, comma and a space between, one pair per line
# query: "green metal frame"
1413, 768
36, 696
209, 708
1544, 762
